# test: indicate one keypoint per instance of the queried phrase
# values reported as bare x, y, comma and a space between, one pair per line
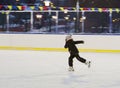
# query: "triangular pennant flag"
104, 9
45, 8
61, 8
96, 9
41, 8
74, 8
93, 9
32, 7
81, 9
5, 7
36, 7
117, 10
88, 9
19, 7
23, 7
110, 9
85, 8
9, 7
100, 9
14, 8
1, 6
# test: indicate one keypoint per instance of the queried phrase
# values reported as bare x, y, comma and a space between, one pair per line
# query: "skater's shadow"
75, 78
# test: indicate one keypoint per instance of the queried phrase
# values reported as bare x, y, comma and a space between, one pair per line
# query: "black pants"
70, 61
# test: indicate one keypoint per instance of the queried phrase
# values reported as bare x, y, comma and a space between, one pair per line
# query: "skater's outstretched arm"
79, 42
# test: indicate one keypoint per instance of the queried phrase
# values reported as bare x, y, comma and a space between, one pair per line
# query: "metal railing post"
110, 23
83, 15
31, 22
7, 21
56, 21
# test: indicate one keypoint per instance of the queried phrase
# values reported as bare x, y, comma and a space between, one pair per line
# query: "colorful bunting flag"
23, 7
14, 7
19, 7
1, 6
92, 9
9, 7
61, 8
100, 9
117, 10
32, 7
41, 8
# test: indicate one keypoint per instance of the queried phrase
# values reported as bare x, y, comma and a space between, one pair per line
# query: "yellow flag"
81, 9
117, 10
61, 8
110, 9
100, 9
9, 7
32, 7
93, 9
19, 7
41, 8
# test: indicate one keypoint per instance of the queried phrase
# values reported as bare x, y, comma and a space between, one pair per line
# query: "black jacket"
70, 44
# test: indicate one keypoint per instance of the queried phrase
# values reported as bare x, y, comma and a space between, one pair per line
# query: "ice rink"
43, 69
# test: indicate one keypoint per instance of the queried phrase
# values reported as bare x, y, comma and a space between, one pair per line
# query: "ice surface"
37, 69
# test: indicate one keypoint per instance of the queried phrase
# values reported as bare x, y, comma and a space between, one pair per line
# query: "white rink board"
57, 41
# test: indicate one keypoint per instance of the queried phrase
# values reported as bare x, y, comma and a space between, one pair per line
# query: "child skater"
70, 44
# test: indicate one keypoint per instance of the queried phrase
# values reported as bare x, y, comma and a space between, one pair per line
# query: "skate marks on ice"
74, 80
35, 69
55, 80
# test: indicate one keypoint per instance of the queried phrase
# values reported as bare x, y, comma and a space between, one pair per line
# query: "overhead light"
47, 2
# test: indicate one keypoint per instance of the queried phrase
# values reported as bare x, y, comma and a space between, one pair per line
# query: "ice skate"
88, 63
70, 69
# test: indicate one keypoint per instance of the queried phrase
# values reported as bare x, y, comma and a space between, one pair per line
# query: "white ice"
42, 69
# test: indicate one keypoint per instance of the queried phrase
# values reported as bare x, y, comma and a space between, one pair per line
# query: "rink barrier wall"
49, 42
